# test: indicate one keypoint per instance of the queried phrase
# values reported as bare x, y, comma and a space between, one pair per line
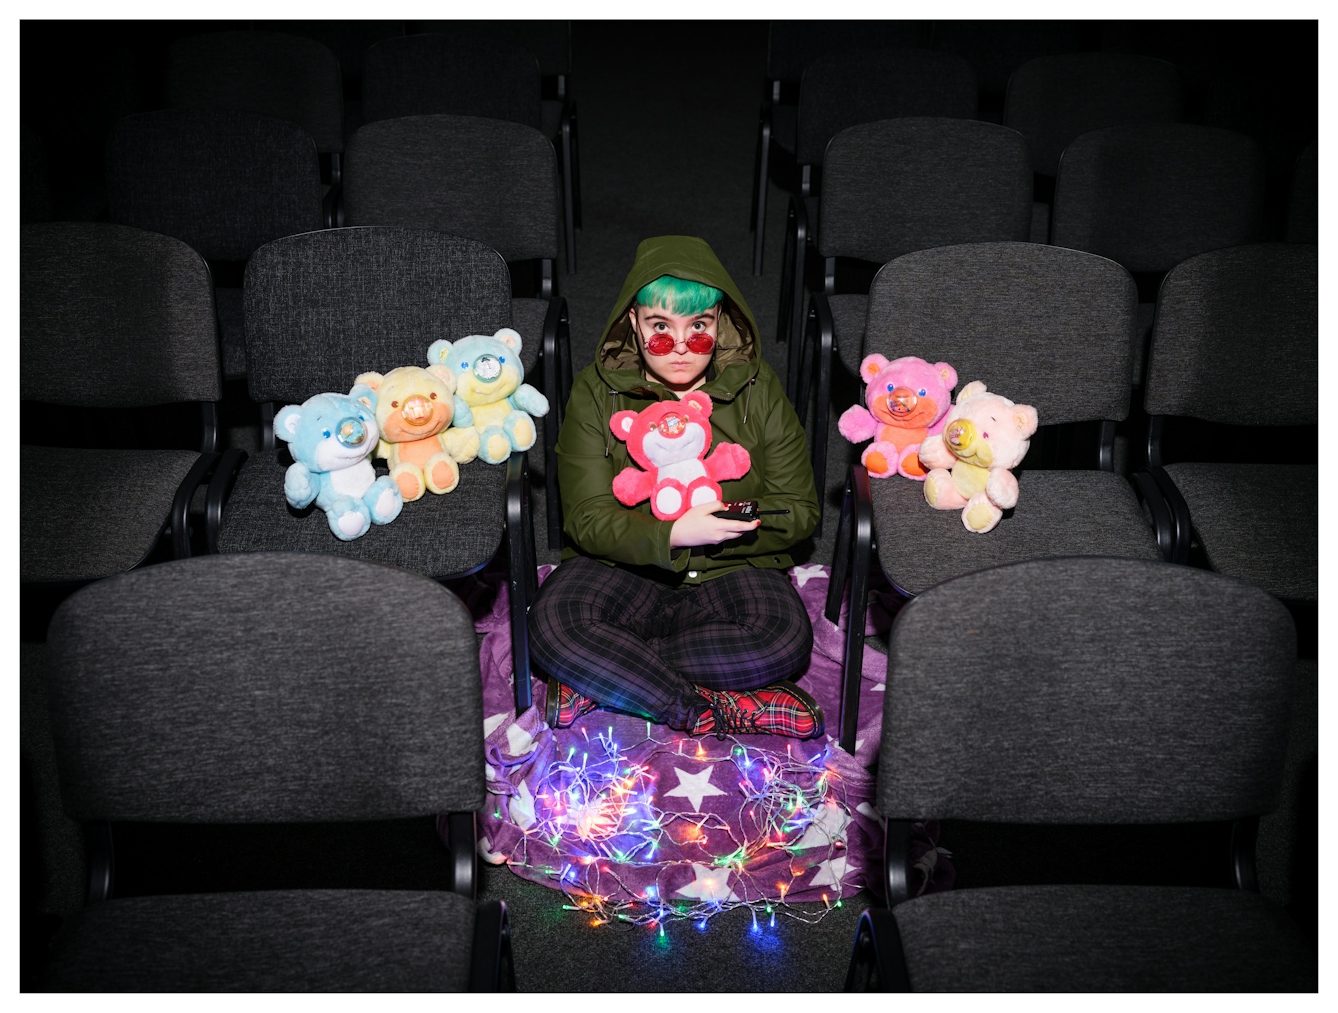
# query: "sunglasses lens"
659, 344
700, 344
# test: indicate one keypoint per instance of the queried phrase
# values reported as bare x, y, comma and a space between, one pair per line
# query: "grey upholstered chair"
322, 308
223, 181
839, 90
264, 688
1042, 326
889, 188
466, 75
112, 320
489, 180
1303, 206
1053, 99
1150, 195
1098, 704
273, 73
1240, 320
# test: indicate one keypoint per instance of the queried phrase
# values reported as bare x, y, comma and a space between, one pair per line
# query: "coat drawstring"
608, 425
747, 398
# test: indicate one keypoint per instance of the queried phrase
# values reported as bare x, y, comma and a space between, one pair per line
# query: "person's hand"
698, 527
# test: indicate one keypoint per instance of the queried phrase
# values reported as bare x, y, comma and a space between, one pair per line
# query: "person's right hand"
698, 527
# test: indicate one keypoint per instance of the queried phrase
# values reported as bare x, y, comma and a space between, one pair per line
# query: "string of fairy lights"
596, 822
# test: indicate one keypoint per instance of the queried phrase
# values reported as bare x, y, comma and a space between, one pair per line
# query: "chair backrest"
1087, 690
323, 307
1151, 195
112, 316
997, 48
265, 687
860, 87
485, 179
221, 180
1239, 323
793, 45
548, 41
285, 76
415, 75
1042, 326
1303, 206
348, 40
909, 184
1053, 99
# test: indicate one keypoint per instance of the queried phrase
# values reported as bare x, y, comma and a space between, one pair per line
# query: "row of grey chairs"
1055, 328
1084, 696
492, 72
113, 316
259, 688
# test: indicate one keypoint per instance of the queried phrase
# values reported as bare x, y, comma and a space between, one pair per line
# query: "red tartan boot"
779, 709
565, 705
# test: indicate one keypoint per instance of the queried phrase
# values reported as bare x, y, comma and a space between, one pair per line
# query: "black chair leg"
862, 539
491, 966
760, 207
520, 576
878, 963
840, 556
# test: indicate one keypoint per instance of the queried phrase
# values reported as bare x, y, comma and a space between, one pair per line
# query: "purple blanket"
641, 823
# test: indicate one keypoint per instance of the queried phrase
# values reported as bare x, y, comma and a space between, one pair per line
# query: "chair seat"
1257, 522
527, 318
1102, 938
276, 940
1059, 513
437, 536
87, 514
849, 313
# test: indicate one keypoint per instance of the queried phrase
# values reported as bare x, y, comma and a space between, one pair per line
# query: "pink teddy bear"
907, 400
984, 436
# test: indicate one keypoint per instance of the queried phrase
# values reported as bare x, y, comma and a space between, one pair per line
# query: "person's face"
681, 368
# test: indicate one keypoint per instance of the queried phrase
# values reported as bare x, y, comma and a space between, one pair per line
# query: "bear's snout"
417, 410
351, 432
671, 427
901, 401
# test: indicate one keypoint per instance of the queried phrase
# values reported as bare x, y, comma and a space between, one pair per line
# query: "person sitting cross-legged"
692, 622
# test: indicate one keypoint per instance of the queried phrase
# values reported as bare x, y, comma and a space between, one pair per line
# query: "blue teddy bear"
331, 437
488, 379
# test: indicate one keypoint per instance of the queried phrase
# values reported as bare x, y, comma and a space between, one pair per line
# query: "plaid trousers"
638, 646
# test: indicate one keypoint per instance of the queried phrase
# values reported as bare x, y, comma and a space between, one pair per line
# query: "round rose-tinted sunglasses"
663, 344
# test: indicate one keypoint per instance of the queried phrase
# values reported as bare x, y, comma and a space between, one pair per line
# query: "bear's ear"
285, 422
444, 374
372, 380
509, 338
702, 402
438, 353
621, 424
1025, 417
364, 393
872, 366
948, 373
970, 390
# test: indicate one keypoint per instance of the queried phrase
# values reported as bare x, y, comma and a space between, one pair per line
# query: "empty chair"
1303, 205
223, 181
1053, 99
890, 188
995, 49
464, 75
1151, 195
233, 690
1041, 326
1099, 704
321, 309
838, 91
285, 76
112, 322
488, 180
1240, 319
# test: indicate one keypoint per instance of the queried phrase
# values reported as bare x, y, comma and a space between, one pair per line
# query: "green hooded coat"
749, 408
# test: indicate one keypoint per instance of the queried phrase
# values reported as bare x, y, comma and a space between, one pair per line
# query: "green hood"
692, 259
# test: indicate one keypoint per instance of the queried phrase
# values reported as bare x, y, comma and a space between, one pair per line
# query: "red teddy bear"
670, 440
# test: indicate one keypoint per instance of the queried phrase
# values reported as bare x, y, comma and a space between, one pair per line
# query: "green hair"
678, 295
